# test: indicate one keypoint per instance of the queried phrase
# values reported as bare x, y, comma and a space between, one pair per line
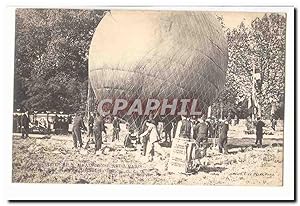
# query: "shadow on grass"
244, 146
250, 142
208, 169
232, 152
166, 144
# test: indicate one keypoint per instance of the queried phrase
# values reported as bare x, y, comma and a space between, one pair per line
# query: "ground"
54, 161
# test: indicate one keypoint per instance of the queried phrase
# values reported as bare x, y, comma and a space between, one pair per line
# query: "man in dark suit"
186, 128
91, 124
223, 131
168, 128
15, 123
273, 122
202, 130
25, 120
116, 128
76, 131
98, 128
259, 131
90, 130
19, 123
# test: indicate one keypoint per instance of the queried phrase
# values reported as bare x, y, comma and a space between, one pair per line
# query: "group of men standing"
201, 129
21, 124
96, 127
198, 129
25, 121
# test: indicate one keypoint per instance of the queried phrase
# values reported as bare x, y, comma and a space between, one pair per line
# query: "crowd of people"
42, 123
152, 134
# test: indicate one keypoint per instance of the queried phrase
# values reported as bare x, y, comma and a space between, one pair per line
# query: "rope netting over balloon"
189, 62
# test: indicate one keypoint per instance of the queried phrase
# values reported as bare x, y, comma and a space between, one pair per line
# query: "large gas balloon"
158, 54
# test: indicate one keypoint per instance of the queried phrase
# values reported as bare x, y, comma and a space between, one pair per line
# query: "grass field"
54, 161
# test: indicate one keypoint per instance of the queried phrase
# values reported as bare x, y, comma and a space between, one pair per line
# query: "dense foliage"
51, 53
258, 48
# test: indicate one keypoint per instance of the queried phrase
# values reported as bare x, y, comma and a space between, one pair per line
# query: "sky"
233, 19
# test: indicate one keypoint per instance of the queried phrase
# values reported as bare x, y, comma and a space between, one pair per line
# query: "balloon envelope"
158, 54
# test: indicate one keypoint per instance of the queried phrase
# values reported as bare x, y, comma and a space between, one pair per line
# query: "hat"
183, 117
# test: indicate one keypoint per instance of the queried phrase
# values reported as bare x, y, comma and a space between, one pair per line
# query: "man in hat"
201, 137
273, 122
202, 131
91, 124
15, 122
213, 130
91, 121
223, 131
259, 131
195, 124
98, 128
186, 128
175, 122
76, 131
19, 123
25, 121
168, 128
150, 143
116, 128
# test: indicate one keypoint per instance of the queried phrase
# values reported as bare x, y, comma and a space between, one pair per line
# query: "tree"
259, 48
269, 55
51, 54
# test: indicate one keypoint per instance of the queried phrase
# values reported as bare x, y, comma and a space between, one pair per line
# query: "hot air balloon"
158, 54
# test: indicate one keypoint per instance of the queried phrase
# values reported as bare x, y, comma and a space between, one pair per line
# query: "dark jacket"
259, 127
168, 126
91, 121
223, 130
78, 123
203, 130
99, 125
185, 130
19, 120
195, 129
25, 121
116, 124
